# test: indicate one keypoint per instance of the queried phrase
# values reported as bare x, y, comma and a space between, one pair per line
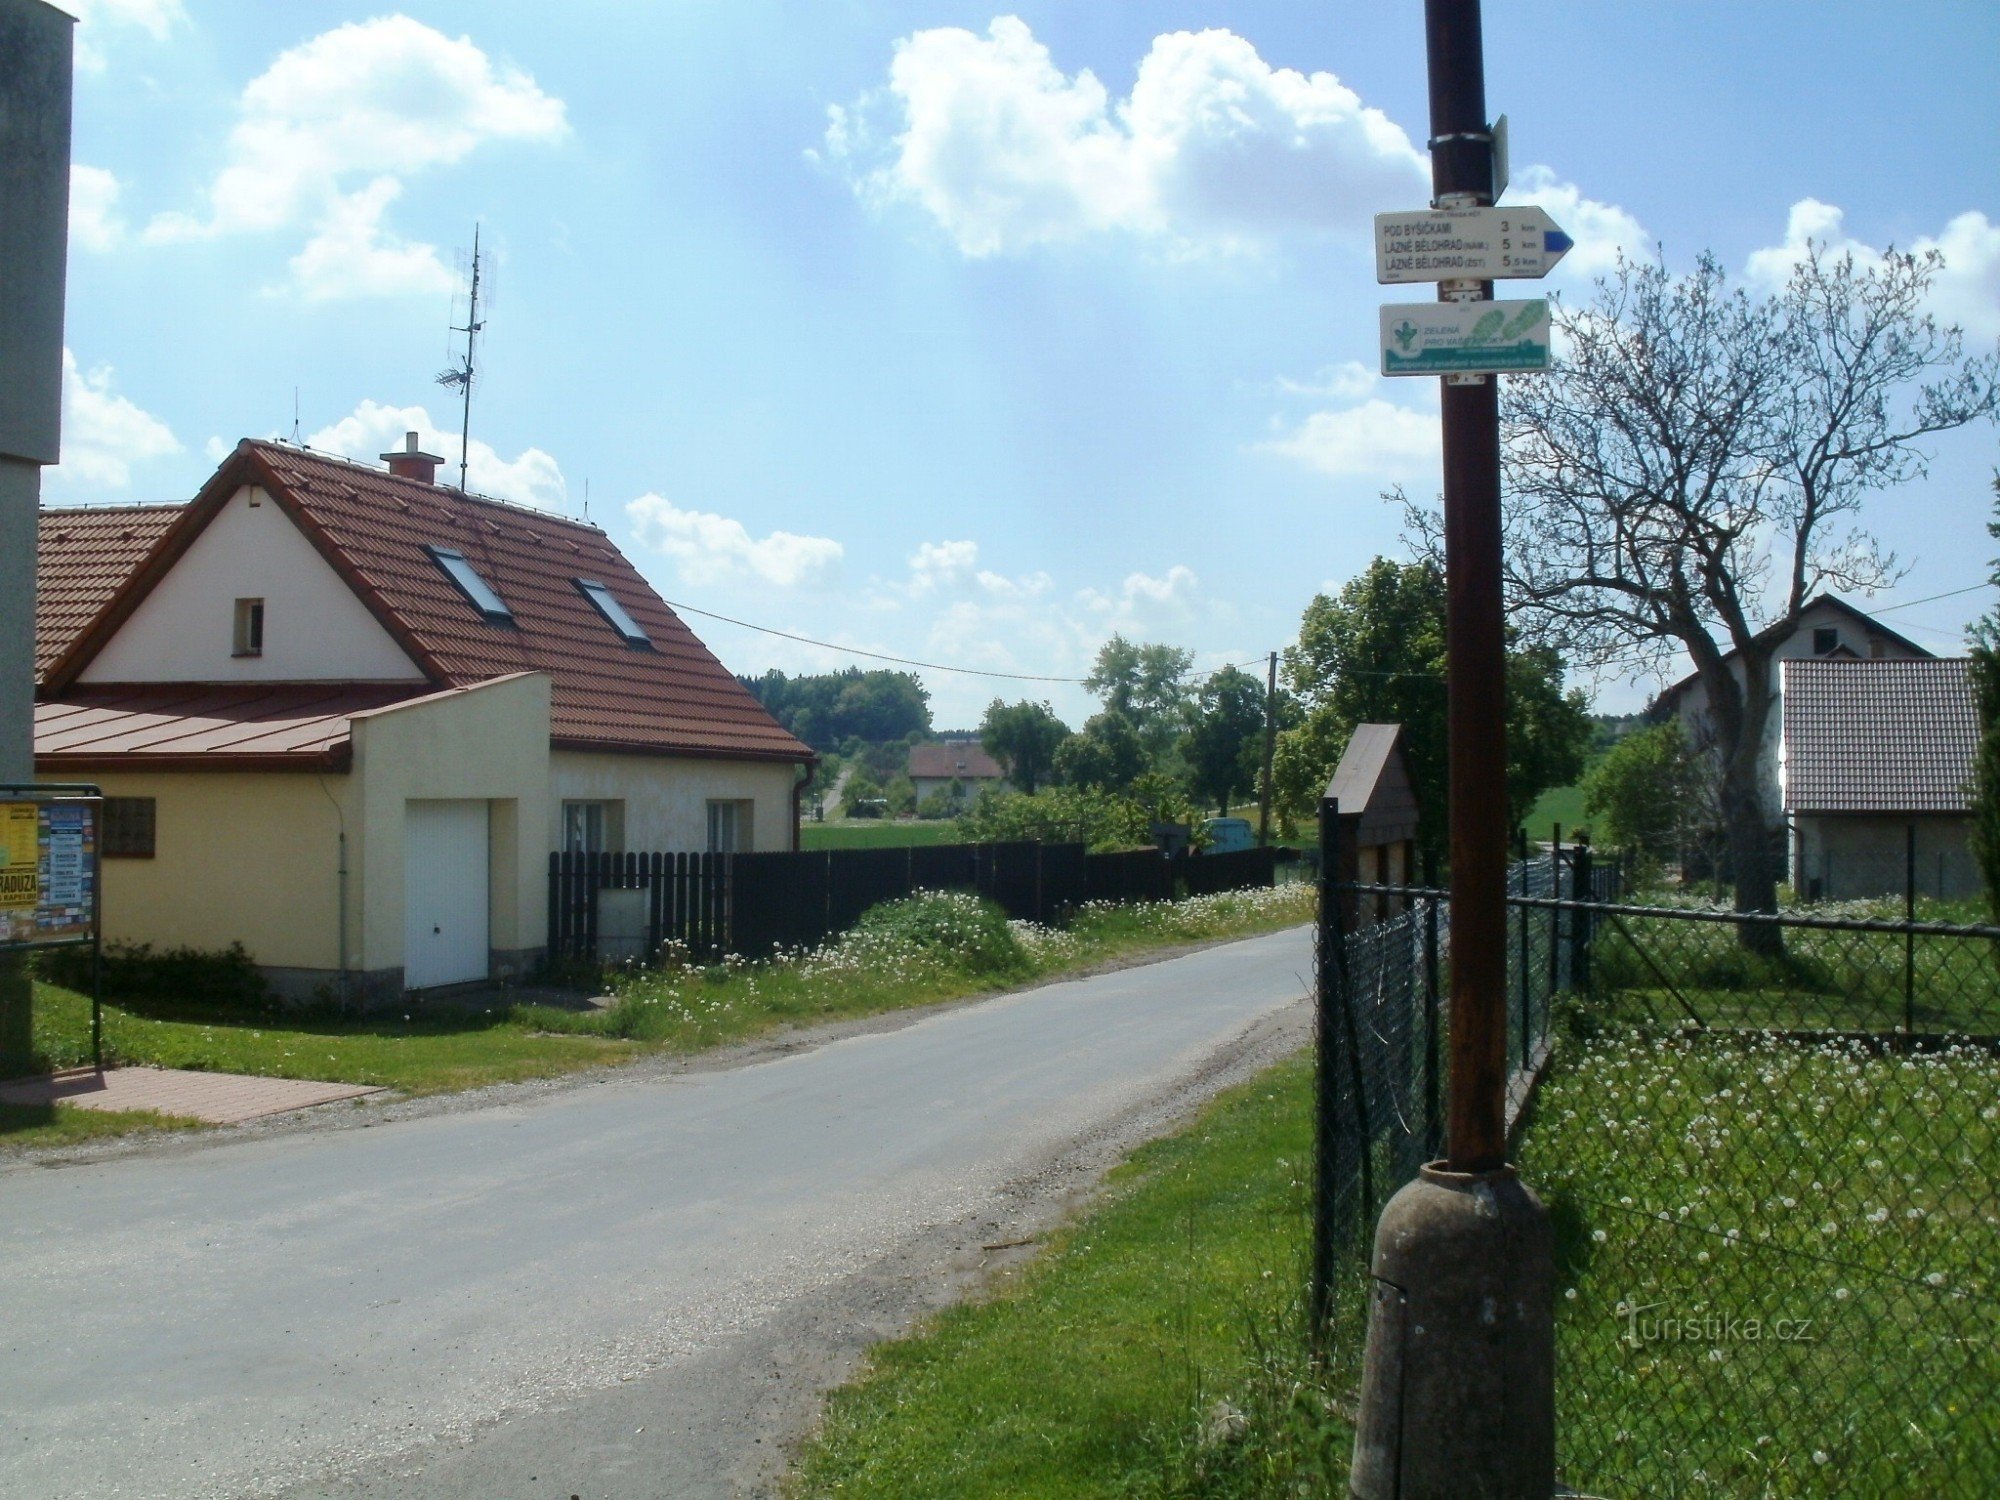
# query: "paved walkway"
218, 1098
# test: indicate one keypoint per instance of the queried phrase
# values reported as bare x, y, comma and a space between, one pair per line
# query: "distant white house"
1875, 765
1827, 629
963, 764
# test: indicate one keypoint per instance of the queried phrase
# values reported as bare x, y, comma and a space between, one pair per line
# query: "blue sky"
946, 331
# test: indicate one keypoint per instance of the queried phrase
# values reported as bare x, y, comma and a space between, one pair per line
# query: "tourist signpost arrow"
1471, 244
1457, 338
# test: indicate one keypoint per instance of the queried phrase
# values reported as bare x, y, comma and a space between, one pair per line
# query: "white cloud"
95, 18
103, 433
217, 448
329, 131
1966, 290
350, 255
941, 565
1349, 381
530, 478
1375, 439
1601, 230
708, 548
93, 208
1214, 148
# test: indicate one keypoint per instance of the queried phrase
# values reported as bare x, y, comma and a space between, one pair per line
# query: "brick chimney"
411, 462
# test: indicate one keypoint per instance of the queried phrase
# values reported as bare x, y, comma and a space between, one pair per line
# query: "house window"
478, 592
628, 629
249, 627
593, 827
128, 828
729, 827
1826, 641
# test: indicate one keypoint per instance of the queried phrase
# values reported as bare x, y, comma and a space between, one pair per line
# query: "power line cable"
1932, 598
901, 661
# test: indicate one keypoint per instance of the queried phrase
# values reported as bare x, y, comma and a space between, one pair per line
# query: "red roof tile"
81, 557
673, 696
966, 760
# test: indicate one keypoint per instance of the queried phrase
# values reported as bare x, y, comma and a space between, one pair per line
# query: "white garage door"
444, 883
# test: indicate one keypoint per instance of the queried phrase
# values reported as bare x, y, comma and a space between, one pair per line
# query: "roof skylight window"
614, 612
476, 589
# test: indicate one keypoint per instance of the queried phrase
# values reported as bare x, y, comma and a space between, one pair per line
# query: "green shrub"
142, 978
954, 929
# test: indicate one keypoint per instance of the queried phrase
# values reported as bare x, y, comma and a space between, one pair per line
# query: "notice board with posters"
48, 867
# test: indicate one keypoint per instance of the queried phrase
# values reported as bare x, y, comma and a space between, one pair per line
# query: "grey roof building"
1875, 767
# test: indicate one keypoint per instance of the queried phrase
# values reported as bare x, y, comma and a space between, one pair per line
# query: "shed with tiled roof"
1876, 764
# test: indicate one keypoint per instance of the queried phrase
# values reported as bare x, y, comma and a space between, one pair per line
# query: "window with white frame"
729, 825
249, 636
593, 827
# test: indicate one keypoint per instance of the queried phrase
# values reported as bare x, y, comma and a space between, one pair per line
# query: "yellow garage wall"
489, 743
249, 857
666, 798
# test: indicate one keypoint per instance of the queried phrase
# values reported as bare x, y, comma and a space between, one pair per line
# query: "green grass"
1562, 804
1096, 1368
672, 1010
41, 1125
865, 973
1662, 969
876, 833
1725, 1178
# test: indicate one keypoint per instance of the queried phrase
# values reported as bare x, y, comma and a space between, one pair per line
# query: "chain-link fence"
1771, 1149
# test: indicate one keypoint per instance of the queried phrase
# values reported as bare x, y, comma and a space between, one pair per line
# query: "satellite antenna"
459, 376
295, 418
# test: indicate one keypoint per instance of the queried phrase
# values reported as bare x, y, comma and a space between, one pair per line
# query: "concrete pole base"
1458, 1379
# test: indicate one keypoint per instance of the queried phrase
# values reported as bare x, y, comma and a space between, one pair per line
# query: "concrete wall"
315, 628
1844, 857
239, 857
489, 743
666, 799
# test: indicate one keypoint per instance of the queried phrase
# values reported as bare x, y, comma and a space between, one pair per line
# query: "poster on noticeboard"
48, 872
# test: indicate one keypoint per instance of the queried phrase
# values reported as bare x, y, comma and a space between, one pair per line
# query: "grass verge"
1127, 1358
679, 1010
43, 1125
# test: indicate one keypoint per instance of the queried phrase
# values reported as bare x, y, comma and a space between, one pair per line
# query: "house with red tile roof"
960, 768
342, 715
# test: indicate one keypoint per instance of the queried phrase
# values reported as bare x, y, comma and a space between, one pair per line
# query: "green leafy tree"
1106, 754
901, 793
828, 708
1147, 684
1375, 654
1224, 744
1057, 814
1986, 767
862, 796
1023, 737
1642, 794
1691, 475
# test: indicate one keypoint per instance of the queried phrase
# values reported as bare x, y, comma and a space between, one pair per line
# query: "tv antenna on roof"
459, 376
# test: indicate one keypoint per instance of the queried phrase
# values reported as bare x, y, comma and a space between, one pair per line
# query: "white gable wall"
315, 629
1853, 634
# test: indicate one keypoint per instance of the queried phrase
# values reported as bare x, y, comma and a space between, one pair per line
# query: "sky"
948, 332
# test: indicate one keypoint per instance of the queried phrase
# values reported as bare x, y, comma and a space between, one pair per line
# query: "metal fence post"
1527, 999
1909, 934
1580, 922
1328, 946
1433, 1128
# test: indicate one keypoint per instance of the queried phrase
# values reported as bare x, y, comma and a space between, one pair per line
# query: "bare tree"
1690, 476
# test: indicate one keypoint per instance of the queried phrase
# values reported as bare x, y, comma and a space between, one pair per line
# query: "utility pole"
36, 43
1270, 752
1458, 1394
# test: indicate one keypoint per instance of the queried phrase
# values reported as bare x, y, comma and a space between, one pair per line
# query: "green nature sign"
1456, 338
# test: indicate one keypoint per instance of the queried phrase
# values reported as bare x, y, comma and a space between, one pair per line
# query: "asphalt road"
634, 1287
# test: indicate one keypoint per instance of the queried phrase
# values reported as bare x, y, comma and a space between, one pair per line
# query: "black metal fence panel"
757, 904
1770, 1145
